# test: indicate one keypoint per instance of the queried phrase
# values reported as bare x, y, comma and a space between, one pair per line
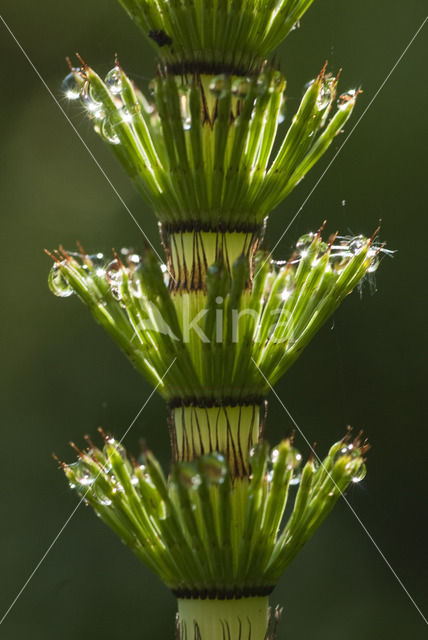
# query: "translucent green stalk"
246, 618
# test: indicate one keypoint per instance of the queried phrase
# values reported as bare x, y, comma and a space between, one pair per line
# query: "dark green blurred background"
62, 377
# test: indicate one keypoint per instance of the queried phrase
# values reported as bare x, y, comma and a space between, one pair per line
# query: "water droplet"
126, 115
96, 111
324, 96
58, 284
185, 108
97, 262
72, 84
115, 277
82, 475
135, 286
120, 450
294, 459
338, 262
286, 294
262, 83
114, 81
296, 477
277, 81
274, 455
152, 86
322, 248
108, 132
94, 108
304, 242
148, 107
86, 479
374, 264
282, 110
214, 467
134, 259
189, 477
166, 274
360, 475
241, 87
356, 244
218, 84
118, 489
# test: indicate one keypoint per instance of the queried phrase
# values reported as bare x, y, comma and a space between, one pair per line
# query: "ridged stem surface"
242, 619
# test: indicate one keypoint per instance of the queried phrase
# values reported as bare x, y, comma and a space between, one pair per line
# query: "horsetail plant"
220, 322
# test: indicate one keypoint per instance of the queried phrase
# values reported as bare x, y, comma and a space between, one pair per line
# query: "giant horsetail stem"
212, 149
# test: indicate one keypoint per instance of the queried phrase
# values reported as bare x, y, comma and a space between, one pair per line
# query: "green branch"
218, 334
201, 150
205, 533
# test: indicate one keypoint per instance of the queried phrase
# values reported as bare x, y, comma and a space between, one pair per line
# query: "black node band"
205, 227
218, 594
209, 403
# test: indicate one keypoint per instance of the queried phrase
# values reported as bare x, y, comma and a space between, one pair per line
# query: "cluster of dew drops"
77, 87
341, 250
83, 479
97, 266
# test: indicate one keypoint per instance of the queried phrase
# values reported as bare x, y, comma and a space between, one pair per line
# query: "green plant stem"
245, 618
232, 431
191, 253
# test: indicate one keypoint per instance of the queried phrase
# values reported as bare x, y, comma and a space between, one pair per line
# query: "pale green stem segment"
242, 619
191, 253
232, 431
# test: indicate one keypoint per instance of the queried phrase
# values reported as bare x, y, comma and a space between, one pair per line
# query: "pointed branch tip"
61, 464
103, 434
81, 60
76, 449
53, 256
